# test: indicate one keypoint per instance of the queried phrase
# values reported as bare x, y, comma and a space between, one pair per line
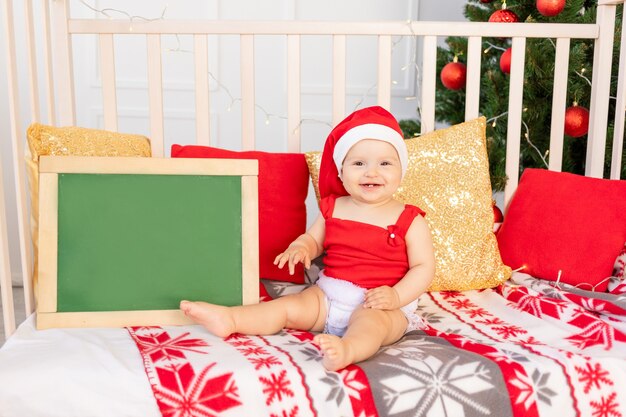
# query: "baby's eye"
358, 163
384, 163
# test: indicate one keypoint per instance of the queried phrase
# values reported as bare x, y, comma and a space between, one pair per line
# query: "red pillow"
283, 187
558, 221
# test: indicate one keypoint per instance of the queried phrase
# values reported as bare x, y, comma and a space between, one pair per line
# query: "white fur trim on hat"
370, 131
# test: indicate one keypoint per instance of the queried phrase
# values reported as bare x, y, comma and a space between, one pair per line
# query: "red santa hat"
368, 123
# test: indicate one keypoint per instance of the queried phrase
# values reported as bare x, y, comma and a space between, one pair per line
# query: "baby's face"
371, 171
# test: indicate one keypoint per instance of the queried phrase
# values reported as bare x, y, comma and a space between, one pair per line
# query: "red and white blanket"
193, 373
526, 349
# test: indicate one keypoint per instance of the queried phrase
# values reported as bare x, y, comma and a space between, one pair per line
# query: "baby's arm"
306, 247
417, 279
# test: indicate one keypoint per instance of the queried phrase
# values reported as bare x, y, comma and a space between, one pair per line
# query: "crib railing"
55, 67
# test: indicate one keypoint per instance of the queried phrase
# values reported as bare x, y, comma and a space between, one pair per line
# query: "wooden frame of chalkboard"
122, 240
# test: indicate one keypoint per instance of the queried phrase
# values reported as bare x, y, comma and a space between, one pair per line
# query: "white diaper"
343, 297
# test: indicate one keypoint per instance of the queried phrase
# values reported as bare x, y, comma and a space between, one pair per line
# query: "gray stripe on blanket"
423, 375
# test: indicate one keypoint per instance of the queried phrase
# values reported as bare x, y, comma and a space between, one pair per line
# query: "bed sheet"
526, 348
73, 372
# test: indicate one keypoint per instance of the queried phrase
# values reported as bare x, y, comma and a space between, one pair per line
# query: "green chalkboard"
144, 242
124, 240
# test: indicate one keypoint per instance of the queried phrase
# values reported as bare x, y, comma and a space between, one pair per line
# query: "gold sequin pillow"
313, 161
72, 141
448, 178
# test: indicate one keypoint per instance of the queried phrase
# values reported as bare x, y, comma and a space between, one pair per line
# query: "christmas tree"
539, 76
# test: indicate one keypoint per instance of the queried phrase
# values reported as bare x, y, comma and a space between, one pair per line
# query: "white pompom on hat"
368, 123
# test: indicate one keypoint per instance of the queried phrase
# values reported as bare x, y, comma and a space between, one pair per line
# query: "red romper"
364, 254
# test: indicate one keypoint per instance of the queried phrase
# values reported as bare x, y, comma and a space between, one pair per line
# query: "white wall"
269, 60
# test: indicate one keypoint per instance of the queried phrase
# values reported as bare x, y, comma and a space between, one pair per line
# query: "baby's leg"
303, 311
368, 330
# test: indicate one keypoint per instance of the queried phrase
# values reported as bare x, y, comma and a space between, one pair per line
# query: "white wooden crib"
49, 57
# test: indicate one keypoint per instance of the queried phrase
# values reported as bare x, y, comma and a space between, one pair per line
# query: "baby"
378, 252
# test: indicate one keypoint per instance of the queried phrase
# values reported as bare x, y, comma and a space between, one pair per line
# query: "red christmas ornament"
576, 121
503, 16
498, 217
453, 75
486, 1
550, 7
505, 61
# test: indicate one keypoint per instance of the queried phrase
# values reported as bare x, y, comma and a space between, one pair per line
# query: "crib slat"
203, 113
32, 62
107, 73
339, 78
559, 93
155, 93
17, 139
429, 75
514, 126
472, 90
47, 59
6, 288
293, 93
63, 67
600, 92
620, 104
247, 92
384, 71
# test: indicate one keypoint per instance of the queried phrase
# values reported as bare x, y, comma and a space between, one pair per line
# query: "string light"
360, 101
492, 46
234, 100
592, 287
302, 121
413, 63
493, 122
580, 74
178, 47
532, 145
558, 279
582, 71
404, 68
494, 119
106, 12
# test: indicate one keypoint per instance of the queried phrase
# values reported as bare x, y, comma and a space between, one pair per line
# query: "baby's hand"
293, 255
382, 298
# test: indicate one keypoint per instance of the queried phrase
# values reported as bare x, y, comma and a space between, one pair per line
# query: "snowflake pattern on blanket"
193, 373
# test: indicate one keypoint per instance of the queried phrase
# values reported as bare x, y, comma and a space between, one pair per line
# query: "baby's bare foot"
216, 319
337, 354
